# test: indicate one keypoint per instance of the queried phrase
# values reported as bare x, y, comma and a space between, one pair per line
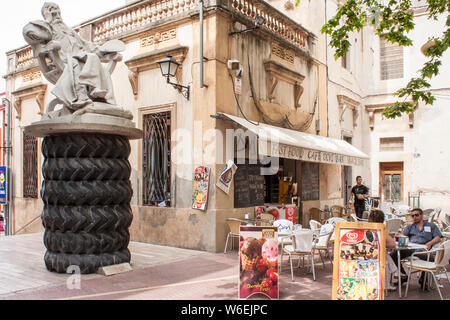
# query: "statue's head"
37, 32
51, 12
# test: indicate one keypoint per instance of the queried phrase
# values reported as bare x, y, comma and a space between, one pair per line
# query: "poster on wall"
258, 262
359, 261
200, 190
226, 177
3, 185
285, 211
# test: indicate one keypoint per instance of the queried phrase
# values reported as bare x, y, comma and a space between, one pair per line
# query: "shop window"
30, 167
157, 159
391, 60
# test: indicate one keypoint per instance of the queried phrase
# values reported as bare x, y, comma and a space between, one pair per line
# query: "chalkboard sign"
310, 181
248, 187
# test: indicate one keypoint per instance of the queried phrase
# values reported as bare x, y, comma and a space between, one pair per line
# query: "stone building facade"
288, 79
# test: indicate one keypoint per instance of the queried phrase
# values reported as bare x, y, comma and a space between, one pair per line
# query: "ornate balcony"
144, 15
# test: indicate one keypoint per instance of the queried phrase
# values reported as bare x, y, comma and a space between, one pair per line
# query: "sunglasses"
415, 215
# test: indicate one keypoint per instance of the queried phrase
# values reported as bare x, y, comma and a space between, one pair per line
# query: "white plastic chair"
435, 217
284, 227
393, 225
323, 241
315, 226
438, 265
302, 245
335, 220
354, 218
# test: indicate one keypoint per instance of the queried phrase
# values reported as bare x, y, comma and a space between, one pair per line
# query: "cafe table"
409, 246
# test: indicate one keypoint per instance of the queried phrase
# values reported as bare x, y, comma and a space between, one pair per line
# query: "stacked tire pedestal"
86, 193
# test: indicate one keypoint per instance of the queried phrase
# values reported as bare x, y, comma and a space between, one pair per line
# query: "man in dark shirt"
358, 196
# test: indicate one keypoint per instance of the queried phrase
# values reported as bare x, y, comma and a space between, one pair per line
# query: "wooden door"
391, 181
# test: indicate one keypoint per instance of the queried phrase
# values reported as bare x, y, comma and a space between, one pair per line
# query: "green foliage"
394, 19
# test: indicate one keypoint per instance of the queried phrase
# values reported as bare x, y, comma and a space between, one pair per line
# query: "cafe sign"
304, 154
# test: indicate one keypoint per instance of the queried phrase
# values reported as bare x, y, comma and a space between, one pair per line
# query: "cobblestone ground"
159, 273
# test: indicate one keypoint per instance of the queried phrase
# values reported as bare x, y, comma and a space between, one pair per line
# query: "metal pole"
8, 213
201, 44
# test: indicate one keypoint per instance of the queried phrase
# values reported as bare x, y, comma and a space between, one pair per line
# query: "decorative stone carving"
33, 74
374, 108
156, 37
346, 103
276, 72
283, 53
150, 60
36, 91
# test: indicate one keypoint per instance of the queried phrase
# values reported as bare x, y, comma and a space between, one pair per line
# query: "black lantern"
169, 68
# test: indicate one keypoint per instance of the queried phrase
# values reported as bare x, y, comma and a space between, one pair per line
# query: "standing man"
358, 196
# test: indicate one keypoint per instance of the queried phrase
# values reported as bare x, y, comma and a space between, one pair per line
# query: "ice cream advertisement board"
359, 261
200, 189
258, 262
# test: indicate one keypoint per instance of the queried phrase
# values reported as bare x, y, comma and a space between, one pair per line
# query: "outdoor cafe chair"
302, 245
441, 259
426, 214
323, 241
315, 226
318, 215
337, 211
265, 220
335, 220
393, 226
285, 228
354, 218
234, 225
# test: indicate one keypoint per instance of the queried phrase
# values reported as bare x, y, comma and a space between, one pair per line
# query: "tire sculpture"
86, 193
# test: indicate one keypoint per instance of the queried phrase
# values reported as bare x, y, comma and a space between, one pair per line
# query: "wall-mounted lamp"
259, 21
169, 68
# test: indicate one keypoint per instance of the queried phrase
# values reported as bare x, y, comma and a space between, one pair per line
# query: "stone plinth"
86, 190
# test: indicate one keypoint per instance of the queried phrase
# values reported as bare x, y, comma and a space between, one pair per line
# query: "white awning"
291, 144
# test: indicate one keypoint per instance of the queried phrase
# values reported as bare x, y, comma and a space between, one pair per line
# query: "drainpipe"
8, 206
201, 44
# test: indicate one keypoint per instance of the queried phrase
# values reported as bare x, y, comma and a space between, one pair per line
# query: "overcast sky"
15, 14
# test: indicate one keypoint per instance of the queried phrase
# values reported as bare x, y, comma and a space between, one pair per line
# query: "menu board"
359, 261
310, 181
200, 189
258, 262
248, 186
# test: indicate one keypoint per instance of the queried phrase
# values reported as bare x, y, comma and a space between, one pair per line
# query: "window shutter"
391, 60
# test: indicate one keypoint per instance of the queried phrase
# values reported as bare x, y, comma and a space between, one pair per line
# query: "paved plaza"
159, 273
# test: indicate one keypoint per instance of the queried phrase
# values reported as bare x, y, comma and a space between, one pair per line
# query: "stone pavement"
160, 273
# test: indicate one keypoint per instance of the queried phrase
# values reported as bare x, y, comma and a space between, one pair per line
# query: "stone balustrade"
274, 20
138, 16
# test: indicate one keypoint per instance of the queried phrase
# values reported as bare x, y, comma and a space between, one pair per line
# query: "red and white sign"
287, 212
354, 236
238, 86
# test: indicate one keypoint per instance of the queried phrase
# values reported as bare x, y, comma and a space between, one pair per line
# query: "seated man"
419, 232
